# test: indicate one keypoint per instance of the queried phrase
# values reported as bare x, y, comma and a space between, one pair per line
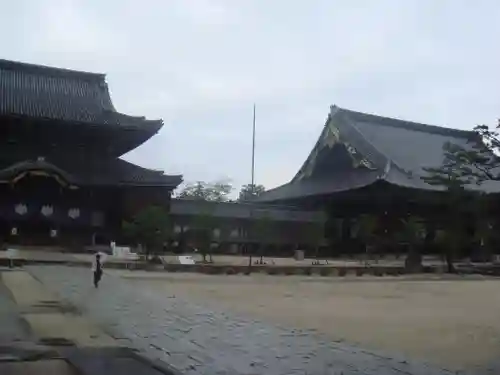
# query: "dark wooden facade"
62, 179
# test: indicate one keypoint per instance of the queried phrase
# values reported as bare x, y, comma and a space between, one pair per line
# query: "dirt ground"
451, 322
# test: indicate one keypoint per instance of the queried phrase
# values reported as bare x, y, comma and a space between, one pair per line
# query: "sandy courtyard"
453, 323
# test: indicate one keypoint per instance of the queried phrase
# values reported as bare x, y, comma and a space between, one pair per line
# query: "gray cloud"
200, 65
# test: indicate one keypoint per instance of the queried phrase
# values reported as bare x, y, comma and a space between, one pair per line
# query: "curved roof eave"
36, 165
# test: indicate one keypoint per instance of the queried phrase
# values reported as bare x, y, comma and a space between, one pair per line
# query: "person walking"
97, 269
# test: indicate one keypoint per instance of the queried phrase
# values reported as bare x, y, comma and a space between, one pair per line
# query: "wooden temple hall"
61, 175
63, 181
364, 164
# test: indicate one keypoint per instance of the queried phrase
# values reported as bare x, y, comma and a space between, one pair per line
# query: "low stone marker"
12, 254
123, 252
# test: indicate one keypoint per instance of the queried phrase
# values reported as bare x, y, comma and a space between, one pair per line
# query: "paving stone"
12, 327
197, 340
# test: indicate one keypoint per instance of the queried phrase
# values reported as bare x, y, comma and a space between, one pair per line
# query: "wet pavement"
23, 352
198, 340
12, 327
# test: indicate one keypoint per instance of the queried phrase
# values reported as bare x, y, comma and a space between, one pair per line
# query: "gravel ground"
198, 340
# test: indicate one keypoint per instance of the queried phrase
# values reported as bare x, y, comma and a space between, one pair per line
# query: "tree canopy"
217, 191
151, 227
202, 232
476, 162
463, 165
249, 191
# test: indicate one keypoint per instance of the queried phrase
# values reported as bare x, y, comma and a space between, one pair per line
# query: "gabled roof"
98, 172
36, 91
381, 148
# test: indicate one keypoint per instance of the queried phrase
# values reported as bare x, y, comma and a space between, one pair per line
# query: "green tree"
151, 228
217, 191
262, 232
202, 232
315, 236
478, 160
484, 231
474, 163
249, 191
366, 231
454, 199
413, 234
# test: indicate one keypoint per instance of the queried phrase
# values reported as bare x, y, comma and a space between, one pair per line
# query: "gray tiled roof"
319, 187
59, 94
239, 210
93, 172
410, 147
398, 151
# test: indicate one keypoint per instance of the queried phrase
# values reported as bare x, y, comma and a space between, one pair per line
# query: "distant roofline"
401, 123
48, 70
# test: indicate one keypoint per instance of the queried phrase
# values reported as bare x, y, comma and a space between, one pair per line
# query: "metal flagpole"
253, 148
253, 182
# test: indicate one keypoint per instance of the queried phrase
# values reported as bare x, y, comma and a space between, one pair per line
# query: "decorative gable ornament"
47, 210
53, 233
13, 231
21, 209
74, 213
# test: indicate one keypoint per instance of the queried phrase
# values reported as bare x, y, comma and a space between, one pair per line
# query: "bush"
325, 272
342, 272
272, 271
392, 271
289, 271
360, 271
230, 271
307, 271
155, 259
378, 272
216, 270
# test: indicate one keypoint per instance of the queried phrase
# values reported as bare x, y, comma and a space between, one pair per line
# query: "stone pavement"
41, 334
12, 327
196, 340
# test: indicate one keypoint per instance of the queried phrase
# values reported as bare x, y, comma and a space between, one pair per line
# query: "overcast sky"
201, 64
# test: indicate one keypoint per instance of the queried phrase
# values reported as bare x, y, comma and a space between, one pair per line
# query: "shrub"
307, 271
428, 269
342, 272
289, 271
272, 271
230, 271
360, 271
378, 272
215, 270
392, 271
325, 272
203, 269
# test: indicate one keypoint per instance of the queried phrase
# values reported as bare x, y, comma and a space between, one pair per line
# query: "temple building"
62, 178
367, 164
